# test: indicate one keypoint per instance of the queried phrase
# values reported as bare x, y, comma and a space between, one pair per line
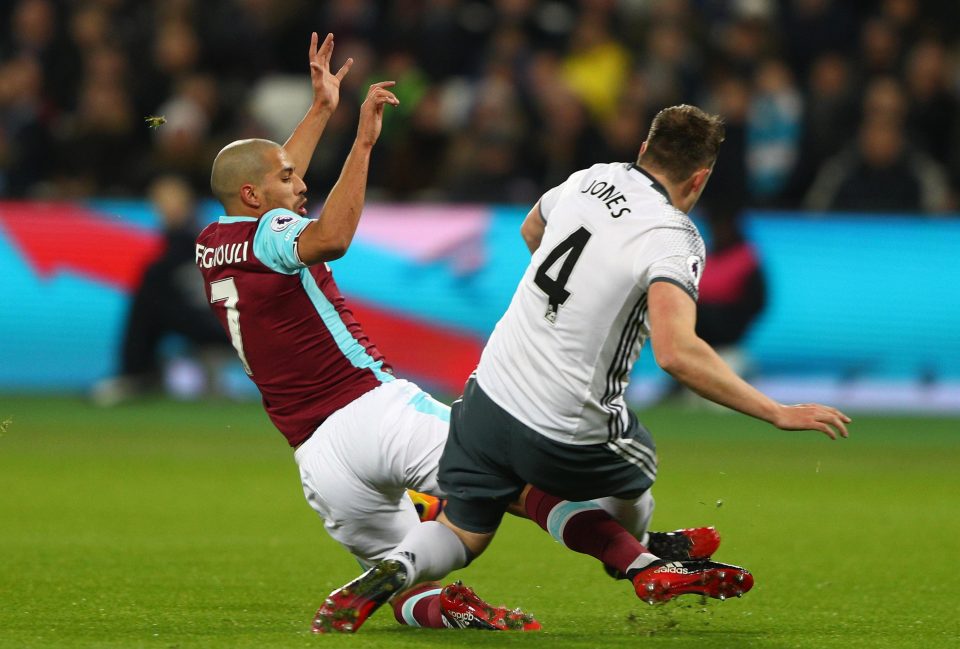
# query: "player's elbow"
336, 250
667, 360
525, 230
316, 253
672, 356
531, 235
532, 243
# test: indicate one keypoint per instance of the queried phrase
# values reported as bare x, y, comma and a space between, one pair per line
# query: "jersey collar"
657, 186
236, 219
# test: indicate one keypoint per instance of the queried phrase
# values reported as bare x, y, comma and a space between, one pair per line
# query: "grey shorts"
490, 456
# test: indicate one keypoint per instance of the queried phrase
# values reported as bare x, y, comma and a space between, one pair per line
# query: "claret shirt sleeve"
275, 243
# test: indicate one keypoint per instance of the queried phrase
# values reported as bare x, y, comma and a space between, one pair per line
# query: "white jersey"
559, 360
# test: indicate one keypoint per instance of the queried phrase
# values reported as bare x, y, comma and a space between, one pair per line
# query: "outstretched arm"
691, 361
326, 95
329, 236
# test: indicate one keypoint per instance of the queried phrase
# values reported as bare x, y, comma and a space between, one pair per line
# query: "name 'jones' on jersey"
560, 358
289, 324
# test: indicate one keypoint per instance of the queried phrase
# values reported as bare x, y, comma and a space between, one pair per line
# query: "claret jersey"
296, 338
560, 358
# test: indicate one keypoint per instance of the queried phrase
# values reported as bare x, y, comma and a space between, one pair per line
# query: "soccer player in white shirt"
615, 262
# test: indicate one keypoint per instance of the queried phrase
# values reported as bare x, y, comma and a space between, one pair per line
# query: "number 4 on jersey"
569, 250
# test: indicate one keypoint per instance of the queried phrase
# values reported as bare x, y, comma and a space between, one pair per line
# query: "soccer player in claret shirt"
362, 436
615, 261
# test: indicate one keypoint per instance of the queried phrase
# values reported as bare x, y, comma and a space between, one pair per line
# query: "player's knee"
474, 543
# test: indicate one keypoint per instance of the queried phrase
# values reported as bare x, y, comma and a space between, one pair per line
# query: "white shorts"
357, 466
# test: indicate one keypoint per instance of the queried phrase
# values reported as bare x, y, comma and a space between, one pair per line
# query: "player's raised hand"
371, 112
326, 85
813, 416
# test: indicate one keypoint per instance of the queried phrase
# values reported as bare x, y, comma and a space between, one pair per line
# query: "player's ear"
699, 180
250, 196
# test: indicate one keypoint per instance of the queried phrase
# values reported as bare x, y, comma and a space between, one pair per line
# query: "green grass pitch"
176, 525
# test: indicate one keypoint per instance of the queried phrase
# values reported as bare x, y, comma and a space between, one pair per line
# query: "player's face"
282, 187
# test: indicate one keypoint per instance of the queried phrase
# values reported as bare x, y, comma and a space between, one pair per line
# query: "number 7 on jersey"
225, 290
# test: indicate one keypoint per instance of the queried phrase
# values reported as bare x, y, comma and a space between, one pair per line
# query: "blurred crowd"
829, 104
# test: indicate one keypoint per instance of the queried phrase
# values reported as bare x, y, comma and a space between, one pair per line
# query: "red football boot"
685, 544
678, 545
661, 581
463, 609
347, 608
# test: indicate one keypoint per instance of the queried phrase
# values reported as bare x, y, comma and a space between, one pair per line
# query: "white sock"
429, 552
641, 562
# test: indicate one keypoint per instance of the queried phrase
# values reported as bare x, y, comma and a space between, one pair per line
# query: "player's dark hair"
681, 140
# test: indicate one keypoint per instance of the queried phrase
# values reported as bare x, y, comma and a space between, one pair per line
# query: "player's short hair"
240, 162
682, 139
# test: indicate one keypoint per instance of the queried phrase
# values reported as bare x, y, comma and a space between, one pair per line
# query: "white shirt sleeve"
549, 200
675, 253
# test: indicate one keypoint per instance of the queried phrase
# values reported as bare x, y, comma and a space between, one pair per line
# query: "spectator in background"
627, 126
89, 32
815, 28
184, 146
596, 66
561, 135
830, 115
169, 300
24, 128
616, 58
881, 49
412, 84
175, 54
933, 117
33, 31
730, 98
773, 131
880, 171
744, 42
417, 157
732, 289
484, 164
98, 147
670, 68
904, 17
401, 66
